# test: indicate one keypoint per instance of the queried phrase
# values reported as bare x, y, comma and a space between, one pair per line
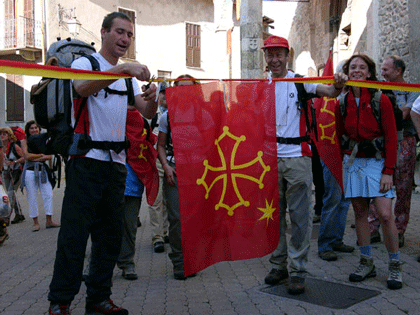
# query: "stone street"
227, 288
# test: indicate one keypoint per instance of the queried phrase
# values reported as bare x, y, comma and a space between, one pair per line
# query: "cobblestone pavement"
26, 265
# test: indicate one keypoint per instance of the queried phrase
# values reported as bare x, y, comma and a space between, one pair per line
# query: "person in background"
367, 172
12, 170
4, 235
170, 187
158, 212
134, 188
37, 176
392, 70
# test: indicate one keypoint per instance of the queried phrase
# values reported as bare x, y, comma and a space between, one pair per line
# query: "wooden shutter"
131, 52
28, 13
15, 98
193, 45
10, 25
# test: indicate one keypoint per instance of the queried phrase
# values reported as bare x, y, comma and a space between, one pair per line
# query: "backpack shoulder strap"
13, 149
130, 91
342, 103
128, 82
303, 98
376, 105
94, 62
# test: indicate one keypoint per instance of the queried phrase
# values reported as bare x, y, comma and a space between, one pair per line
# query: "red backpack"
19, 133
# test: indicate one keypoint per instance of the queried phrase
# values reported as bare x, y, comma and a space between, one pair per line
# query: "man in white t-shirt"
294, 166
94, 196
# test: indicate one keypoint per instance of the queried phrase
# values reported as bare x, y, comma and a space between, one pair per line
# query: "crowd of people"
103, 192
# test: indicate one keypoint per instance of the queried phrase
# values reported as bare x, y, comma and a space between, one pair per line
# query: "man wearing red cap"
294, 165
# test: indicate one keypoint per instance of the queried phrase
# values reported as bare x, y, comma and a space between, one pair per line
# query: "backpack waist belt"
116, 146
371, 148
297, 140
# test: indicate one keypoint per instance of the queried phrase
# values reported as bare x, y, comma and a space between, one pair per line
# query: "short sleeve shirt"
107, 112
288, 120
406, 99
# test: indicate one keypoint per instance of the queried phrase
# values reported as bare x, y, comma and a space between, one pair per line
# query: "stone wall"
394, 20
379, 28
310, 32
414, 41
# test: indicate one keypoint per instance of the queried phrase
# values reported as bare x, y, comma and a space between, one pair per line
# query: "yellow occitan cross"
142, 148
234, 175
323, 127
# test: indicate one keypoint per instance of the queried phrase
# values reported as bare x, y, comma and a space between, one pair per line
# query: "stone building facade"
377, 28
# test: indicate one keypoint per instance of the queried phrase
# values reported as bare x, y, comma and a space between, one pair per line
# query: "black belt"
297, 140
105, 145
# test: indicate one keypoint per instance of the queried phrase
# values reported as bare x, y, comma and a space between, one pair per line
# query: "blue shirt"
133, 186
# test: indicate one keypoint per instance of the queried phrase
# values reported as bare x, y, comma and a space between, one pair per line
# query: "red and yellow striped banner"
33, 69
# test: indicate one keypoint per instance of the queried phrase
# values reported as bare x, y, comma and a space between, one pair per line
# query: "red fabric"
217, 149
19, 132
83, 123
360, 124
325, 138
303, 130
141, 155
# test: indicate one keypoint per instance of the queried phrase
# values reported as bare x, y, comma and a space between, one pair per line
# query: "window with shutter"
193, 45
131, 52
15, 98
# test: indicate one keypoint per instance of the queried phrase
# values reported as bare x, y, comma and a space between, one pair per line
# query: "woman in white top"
35, 176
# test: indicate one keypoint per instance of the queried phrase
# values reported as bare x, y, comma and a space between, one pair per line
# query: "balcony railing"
20, 33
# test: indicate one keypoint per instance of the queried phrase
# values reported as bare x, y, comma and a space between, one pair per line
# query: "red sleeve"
390, 135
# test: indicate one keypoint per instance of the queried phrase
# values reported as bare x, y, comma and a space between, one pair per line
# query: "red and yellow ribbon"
33, 69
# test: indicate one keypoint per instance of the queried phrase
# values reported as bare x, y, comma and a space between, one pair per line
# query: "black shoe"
343, 248
296, 286
159, 247
18, 218
59, 309
275, 276
105, 307
179, 275
328, 255
166, 239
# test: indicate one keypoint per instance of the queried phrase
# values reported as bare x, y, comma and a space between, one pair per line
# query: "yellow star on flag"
268, 211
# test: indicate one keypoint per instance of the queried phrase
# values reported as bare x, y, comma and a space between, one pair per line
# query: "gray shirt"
406, 99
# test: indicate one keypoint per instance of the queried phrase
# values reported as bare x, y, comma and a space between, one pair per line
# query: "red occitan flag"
224, 141
327, 143
141, 155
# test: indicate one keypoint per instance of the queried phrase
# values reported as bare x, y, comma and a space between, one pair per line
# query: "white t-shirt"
288, 120
416, 106
107, 115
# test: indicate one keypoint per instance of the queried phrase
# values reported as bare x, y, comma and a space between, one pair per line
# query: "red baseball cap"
275, 41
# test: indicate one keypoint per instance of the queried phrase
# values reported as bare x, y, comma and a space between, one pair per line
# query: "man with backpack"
94, 196
294, 164
392, 70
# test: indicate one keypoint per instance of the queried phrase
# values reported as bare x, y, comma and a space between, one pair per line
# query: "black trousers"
93, 205
318, 179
